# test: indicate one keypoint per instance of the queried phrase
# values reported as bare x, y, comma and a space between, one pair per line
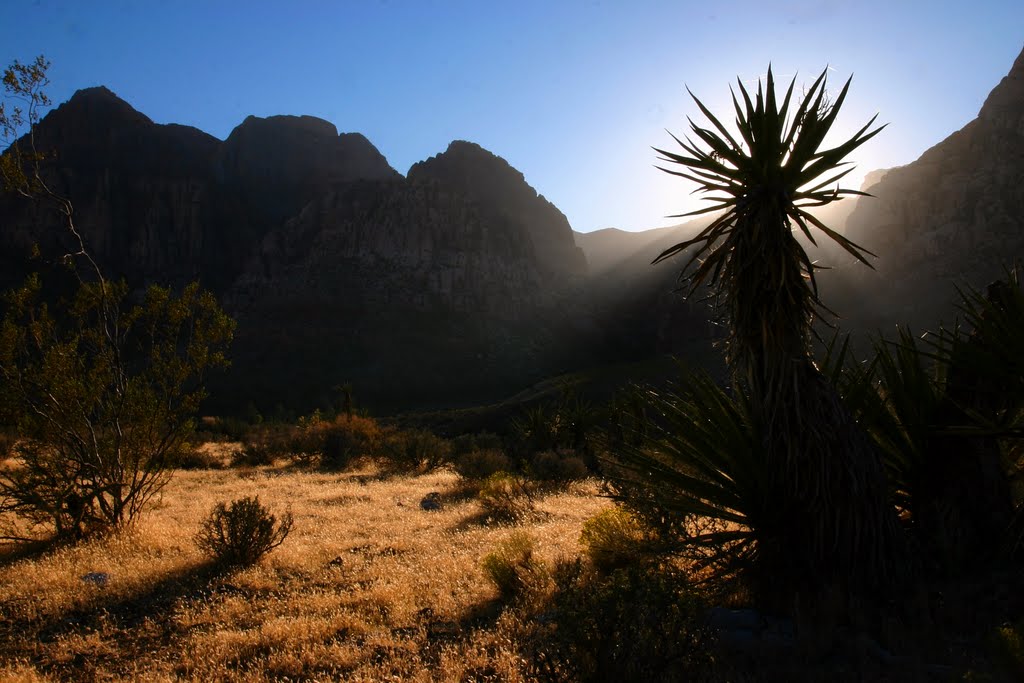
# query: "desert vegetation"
823, 514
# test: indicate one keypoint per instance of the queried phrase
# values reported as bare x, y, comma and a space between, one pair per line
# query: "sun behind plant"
834, 523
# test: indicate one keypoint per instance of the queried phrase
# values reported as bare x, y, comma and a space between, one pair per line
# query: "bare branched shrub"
241, 533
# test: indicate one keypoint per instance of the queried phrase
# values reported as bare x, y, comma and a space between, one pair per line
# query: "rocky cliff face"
422, 292
454, 285
956, 215
503, 195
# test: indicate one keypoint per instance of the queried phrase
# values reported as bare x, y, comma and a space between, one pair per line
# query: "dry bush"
507, 497
241, 533
558, 466
335, 444
482, 464
200, 457
415, 450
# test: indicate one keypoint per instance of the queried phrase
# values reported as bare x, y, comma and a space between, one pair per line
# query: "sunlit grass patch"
367, 586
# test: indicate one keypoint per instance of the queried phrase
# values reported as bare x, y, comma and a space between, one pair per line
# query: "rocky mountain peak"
488, 180
284, 125
299, 150
91, 112
1004, 106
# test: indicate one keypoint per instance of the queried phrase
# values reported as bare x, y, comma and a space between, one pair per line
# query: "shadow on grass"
154, 602
16, 551
141, 624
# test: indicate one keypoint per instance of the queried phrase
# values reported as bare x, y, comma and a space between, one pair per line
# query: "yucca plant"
699, 475
947, 414
822, 472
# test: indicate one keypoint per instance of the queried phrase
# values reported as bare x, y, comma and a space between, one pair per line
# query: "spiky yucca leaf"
897, 397
702, 461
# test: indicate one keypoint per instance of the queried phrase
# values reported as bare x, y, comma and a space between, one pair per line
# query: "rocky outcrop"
503, 194
405, 289
954, 216
456, 285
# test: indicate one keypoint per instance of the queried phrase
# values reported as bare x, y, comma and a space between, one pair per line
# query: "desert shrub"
514, 569
241, 533
264, 444
198, 458
634, 625
506, 497
231, 428
104, 394
559, 466
256, 453
415, 449
482, 464
334, 444
614, 539
349, 437
465, 444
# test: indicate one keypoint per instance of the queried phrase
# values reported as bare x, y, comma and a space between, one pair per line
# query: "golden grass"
368, 586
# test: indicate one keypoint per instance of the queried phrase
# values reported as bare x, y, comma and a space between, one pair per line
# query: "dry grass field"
368, 587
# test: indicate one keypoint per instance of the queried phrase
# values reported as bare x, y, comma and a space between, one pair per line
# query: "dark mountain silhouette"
457, 284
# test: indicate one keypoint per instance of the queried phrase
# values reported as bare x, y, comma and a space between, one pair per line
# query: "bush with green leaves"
101, 390
616, 538
514, 568
242, 532
103, 395
636, 624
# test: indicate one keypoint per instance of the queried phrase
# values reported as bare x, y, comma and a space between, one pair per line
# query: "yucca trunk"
827, 478
840, 530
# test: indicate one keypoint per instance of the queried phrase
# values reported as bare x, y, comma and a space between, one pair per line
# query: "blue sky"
573, 93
